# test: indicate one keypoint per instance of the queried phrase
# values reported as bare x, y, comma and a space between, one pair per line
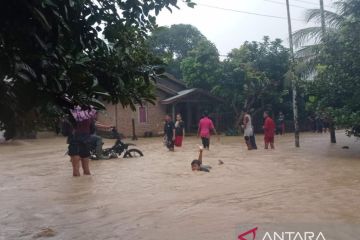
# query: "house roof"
173, 78
187, 94
166, 89
169, 84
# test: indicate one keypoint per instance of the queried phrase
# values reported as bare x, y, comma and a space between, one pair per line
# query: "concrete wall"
154, 124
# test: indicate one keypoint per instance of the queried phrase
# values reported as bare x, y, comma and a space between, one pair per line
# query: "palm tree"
309, 40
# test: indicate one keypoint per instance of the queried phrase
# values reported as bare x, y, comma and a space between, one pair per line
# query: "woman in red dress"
179, 131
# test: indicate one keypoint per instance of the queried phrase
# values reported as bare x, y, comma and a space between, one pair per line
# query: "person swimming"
196, 165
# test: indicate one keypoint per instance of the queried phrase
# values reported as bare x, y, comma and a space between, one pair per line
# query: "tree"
334, 59
201, 67
172, 44
310, 40
52, 54
309, 55
336, 88
253, 77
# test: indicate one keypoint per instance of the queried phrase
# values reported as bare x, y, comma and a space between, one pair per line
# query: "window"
143, 115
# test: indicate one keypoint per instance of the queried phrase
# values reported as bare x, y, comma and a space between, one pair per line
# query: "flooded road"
158, 197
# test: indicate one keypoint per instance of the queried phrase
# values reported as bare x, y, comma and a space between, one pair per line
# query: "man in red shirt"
205, 126
269, 131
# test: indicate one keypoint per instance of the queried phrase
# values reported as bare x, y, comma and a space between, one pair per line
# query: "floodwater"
159, 197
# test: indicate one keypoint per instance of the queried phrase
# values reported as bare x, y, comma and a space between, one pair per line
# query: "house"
172, 97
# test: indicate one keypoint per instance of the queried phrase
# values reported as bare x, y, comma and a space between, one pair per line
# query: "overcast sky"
229, 29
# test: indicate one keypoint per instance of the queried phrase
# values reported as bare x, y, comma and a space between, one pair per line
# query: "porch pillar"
116, 116
189, 117
217, 122
173, 111
197, 113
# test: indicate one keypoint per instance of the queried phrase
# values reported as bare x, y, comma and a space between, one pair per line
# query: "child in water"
196, 165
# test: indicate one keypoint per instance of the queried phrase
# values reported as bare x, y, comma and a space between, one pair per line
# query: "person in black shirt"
179, 131
169, 133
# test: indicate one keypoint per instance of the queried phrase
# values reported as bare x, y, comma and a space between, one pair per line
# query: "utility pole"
324, 39
322, 18
293, 80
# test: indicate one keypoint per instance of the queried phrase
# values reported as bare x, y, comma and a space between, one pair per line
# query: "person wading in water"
79, 139
169, 133
269, 131
179, 131
205, 127
248, 131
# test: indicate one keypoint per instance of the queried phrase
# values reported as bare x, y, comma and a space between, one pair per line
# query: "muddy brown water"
158, 197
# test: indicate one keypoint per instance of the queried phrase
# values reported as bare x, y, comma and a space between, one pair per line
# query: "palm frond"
302, 36
311, 35
308, 59
307, 69
348, 7
308, 52
332, 19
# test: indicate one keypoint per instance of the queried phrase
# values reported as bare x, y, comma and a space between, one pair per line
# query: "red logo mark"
253, 231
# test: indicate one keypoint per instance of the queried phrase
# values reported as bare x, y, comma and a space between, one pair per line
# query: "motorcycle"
117, 149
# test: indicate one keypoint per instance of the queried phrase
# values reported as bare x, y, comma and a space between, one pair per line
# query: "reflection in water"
159, 197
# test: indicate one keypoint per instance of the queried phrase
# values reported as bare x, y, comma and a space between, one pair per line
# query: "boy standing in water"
169, 131
205, 126
269, 131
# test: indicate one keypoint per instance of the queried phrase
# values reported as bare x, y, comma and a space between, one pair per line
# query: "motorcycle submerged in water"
119, 148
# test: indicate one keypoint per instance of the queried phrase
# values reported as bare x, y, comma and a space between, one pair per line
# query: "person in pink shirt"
205, 127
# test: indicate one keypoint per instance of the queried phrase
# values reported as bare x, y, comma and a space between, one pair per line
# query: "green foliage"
176, 40
201, 68
172, 44
56, 53
310, 40
335, 91
254, 77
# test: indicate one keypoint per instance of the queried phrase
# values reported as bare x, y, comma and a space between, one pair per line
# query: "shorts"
169, 142
178, 141
269, 139
79, 146
205, 142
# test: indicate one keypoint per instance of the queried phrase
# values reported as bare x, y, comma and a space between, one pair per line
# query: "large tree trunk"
240, 113
238, 120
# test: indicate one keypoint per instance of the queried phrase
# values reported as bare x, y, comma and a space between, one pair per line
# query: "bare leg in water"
75, 161
85, 166
248, 142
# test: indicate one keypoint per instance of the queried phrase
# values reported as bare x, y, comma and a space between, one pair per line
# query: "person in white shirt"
248, 131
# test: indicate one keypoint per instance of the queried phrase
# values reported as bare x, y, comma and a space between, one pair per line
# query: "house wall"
154, 124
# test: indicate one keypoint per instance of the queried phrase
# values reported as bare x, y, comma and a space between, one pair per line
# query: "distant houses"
172, 97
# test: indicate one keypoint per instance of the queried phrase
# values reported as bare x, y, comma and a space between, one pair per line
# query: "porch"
191, 103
